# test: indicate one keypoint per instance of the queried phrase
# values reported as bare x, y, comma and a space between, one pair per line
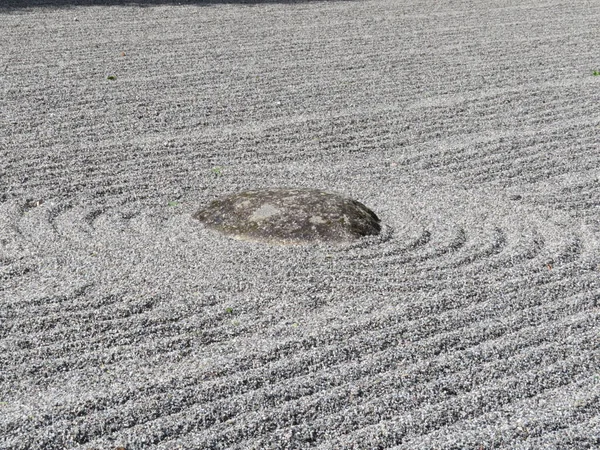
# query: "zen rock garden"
290, 216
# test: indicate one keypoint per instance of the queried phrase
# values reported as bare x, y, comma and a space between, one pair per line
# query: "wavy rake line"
37, 224
521, 248
442, 250
12, 268
93, 343
37, 321
30, 309
211, 414
574, 435
398, 318
579, 199
532, 168
382, 363
47, 324
32, 306
77, 222
495, 250
530, 415
88, 223
117, 327
491, 156
395, 248
392, 339
52, 222
431, 416
330, 412
482, 154
418, 355
16, 258
443, 394
248, 384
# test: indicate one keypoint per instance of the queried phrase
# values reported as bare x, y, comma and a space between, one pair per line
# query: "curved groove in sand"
471, 134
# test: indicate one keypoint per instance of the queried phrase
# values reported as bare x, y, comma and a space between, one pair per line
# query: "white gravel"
470, 128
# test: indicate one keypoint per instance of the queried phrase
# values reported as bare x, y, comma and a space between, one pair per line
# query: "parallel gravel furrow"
471, 322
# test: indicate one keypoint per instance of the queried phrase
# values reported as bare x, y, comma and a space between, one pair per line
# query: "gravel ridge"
470, 128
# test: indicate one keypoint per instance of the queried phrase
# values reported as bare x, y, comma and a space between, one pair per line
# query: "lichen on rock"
290, 216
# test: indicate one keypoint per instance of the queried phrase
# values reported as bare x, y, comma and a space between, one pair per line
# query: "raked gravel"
471, 128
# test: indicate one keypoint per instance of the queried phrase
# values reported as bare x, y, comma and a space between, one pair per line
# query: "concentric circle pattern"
472, 321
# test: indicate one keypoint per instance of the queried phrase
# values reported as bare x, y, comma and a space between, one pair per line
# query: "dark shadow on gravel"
8, 5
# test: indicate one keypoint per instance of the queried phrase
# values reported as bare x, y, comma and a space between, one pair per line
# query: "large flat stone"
290, 216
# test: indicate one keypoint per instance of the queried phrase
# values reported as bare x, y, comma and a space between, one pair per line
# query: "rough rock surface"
290, 216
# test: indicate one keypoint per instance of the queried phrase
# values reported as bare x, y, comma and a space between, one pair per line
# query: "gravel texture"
471, 128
